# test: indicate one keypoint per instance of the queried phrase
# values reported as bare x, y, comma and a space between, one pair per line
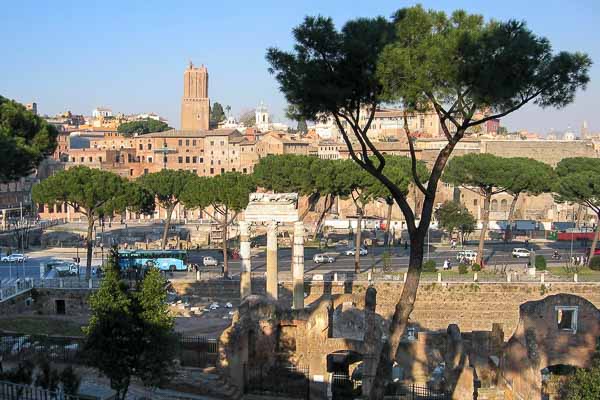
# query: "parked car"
352, 251
323, 258
469, 255
15, 257
521, 253
209, 261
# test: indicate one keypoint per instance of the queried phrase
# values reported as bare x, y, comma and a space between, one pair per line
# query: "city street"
495, 253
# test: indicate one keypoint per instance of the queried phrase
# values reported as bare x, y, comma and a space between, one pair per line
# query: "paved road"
495, 253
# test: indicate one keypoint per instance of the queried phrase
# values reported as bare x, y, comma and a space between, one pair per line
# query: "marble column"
298, 266
272, 260
245, 281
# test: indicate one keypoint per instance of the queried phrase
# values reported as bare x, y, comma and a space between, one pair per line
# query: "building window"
194, 142
187, 159
212, 143
222, 170
194, 172
494, 205
141, 146
180, 159
100, 158
475, 202
187, 142
201, 159
149, 159
149, 146
222, 143
194, 160
145, 171
82, 159
233, 169
131, 172
566, 318
180, 142
212, 171
244, 170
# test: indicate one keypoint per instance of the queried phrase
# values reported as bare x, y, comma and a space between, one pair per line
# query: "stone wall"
16, 305
76, 301
472, 306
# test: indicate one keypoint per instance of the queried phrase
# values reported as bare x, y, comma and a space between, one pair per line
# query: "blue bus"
165, 260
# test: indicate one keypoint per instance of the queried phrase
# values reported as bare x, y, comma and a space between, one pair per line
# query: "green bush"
595, 263
429, 266
462, 269
540, 262
476, 267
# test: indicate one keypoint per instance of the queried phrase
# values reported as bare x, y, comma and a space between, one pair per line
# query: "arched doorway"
345, 367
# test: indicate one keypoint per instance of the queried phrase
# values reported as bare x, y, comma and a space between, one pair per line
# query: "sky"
130, 55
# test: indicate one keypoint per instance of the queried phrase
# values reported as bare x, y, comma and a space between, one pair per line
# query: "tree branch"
413, 156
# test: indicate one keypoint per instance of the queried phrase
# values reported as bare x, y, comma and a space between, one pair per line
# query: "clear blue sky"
130, 55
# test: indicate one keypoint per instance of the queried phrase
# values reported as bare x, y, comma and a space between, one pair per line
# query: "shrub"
595, 263
540, 262
476, 267
462, 269
429, 266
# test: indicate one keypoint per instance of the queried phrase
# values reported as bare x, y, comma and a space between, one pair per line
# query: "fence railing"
14, 287
13, 391
400, 391
193, 351
67, 283
16, 347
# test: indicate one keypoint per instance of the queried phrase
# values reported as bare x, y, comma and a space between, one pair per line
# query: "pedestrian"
446, 264
453, 244
406, 245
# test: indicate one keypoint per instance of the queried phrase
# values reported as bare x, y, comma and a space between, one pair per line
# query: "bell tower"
195, 105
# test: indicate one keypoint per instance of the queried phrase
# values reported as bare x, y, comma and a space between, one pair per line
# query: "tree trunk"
88, 263
357, 241
312, 200
167, 226
388, 222
484, 225
225, 259
400, 318
326, 208
595, 241
511, 217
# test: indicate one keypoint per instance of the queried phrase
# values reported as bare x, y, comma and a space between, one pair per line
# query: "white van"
469, 255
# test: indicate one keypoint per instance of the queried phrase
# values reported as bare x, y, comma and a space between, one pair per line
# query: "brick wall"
472, 306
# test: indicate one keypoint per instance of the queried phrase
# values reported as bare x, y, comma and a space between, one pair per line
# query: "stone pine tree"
525, 175
167, 187
142, 127
94, 194
453, 216
454, 65
484, 175
130, 332
25, 140
290, 173
221, 197
363, 188
578, 181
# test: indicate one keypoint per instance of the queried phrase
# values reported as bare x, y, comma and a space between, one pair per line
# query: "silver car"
15, 257
323, 258
210, 261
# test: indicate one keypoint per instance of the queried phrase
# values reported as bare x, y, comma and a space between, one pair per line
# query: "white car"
352, 251
469, 255
521, 253
209, 261
15, 257
323, 258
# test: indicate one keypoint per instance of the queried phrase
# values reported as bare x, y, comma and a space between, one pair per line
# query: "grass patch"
41, 326
562, 271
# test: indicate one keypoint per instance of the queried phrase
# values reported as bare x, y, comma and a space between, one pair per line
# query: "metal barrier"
14, 287
13, 391
16, 347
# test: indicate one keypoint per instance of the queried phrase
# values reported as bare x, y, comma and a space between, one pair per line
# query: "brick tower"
195, 105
